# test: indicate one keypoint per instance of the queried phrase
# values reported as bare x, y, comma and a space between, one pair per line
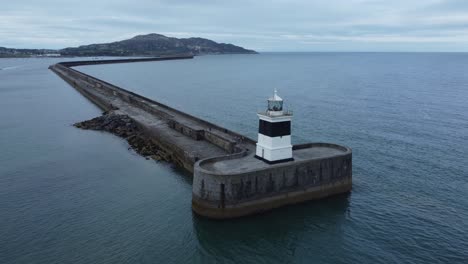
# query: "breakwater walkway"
186, 138
228, 180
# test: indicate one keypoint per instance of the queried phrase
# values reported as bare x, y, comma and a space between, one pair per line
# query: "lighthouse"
274, 132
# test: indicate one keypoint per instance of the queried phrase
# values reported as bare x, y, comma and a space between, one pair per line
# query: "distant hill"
141, 45
153, 45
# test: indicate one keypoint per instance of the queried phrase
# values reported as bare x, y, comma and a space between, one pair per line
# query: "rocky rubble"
125, 127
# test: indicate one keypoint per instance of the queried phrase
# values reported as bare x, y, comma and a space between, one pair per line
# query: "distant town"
19, 53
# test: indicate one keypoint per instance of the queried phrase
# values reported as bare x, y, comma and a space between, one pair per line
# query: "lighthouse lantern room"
274, 133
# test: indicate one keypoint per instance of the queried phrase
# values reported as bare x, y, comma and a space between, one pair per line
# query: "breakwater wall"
228, 194
228, 181
115, 61
132, 98
110, 97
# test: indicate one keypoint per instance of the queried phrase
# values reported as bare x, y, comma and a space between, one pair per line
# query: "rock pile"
125, 127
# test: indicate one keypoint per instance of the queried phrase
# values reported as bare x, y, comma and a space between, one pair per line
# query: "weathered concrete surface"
228, 180
185, 138
237, 185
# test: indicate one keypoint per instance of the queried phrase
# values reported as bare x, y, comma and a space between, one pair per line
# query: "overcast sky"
274, 25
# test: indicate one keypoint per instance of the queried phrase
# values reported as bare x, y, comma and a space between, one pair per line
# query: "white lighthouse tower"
274, 133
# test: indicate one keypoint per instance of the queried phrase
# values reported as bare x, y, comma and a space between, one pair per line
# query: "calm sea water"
74, 196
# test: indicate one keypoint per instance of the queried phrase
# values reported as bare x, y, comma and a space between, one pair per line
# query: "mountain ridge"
152, 44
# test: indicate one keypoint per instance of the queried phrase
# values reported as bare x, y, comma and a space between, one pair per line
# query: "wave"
10, 68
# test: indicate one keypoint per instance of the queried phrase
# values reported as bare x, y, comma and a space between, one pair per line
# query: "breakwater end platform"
229, 178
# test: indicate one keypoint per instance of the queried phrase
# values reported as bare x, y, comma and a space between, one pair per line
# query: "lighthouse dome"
275, 103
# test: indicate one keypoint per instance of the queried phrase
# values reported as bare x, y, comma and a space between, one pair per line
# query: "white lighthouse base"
274, 155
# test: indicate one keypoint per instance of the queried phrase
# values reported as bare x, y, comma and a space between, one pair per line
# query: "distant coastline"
141, 45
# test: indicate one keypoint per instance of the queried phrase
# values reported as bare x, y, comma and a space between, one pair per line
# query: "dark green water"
73, 196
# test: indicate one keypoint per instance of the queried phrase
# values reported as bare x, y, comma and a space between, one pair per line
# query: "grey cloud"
276, 25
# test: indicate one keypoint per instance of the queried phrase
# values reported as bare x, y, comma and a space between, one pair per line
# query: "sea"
75, 196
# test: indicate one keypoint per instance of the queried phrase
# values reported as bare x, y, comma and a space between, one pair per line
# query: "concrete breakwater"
228, 180
185, 138
239, 184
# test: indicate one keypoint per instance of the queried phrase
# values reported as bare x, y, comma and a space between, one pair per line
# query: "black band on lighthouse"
275, 129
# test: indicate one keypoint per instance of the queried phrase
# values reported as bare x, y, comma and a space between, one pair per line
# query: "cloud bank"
274, 25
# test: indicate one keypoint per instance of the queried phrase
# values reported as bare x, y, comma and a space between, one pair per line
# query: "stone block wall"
228, 145
196, 134
148, 105
220, 195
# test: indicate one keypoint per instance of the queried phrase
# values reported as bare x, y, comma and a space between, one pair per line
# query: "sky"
274, 25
